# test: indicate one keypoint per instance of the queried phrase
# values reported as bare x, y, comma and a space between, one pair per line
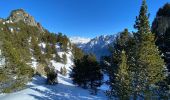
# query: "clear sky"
84, 18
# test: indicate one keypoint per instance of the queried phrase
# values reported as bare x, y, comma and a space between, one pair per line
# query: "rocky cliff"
161, 27
21, 15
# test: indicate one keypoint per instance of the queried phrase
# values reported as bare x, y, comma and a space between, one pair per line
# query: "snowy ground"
65, 90
37, 89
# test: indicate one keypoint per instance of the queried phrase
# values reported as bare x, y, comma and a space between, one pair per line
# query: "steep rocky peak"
164, 11
162, 21
20, 15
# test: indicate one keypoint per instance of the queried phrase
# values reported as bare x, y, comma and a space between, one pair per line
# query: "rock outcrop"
161, 27
20, 15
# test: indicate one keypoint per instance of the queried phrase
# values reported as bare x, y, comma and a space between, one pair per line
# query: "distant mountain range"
79, 41
98, 45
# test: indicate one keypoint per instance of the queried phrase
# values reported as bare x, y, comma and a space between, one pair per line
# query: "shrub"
63, 71
51, 75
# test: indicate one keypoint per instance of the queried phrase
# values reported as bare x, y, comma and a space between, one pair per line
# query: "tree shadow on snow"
37, 80
62, 92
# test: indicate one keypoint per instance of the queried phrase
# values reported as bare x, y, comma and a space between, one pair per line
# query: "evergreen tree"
78, 75
124, 42
121, 87
105, 63
14, 67
57, 57
162, 90
87, 73
48, 51
63, 71
149, 66
51, 75
77, 52
36, 49
64, 56
63, 39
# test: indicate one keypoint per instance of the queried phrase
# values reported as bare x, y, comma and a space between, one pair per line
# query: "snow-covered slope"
37, 89
98, 45
65, 90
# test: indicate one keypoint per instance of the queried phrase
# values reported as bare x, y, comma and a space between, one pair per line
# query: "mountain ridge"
99, 46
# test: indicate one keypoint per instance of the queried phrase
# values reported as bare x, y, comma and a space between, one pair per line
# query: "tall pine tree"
121, 87
148, 66
124, 42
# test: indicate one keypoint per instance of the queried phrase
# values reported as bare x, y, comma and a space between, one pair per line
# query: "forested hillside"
26, 49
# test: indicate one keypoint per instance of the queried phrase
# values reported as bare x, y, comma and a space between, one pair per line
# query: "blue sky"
84, 18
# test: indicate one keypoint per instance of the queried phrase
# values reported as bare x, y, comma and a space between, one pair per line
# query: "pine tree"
51, 74
121, 87
78, 74
14, 67
94, 73
48, 51
149, 66
53, 47
124, 42
57, 57
64, 71
64, 56
87, 73
36, 49
77, 52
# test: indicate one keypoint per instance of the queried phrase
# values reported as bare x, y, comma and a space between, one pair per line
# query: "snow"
2, 59
7, 21
99, 45
64, 90
69, 64
43, 45
37, 89
78, 40
34, 63
11, 29
105, 86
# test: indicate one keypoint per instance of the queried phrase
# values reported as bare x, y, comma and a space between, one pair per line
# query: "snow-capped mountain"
79, 41
98, 45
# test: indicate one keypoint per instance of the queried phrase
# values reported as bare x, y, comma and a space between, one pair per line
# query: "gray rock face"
161, 27
161, 24
21, 15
